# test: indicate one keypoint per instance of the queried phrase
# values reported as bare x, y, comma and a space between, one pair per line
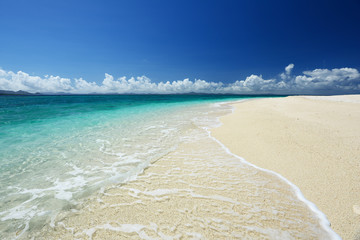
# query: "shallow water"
57, 150
72, 148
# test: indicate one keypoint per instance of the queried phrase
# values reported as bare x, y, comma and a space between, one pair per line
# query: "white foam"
126, 228
60, 189
22, 211
23, 231
19, 212
214, 197
161, 192
63, 195
76, 170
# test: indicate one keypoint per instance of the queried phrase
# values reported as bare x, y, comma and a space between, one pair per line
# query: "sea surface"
56, 152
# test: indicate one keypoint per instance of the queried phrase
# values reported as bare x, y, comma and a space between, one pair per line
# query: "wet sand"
312, 141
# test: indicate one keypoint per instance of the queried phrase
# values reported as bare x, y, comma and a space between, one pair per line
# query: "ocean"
66, 159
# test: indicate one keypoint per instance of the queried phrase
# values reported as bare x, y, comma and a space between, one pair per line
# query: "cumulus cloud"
289, 68
286, 75
341, 79
23, 81
337, 80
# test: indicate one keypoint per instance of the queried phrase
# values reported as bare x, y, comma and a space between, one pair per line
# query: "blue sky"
217, 41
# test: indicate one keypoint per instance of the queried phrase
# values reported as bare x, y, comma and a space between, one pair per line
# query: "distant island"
24, 93
5, 92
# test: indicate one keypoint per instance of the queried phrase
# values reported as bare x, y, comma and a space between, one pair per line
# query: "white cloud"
23, 81
289, 68
338, 80
286, 75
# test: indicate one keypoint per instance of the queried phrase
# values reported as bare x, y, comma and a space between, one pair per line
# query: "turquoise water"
57, 150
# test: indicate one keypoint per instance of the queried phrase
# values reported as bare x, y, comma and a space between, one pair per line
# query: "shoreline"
299, 138
197, 191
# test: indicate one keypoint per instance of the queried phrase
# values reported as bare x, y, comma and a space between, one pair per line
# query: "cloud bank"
318, 81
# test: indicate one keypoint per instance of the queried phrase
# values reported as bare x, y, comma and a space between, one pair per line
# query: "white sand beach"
312, 141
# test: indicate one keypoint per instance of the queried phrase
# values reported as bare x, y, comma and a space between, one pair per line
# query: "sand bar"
312, 141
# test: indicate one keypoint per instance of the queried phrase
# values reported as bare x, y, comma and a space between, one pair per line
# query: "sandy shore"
312, 141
